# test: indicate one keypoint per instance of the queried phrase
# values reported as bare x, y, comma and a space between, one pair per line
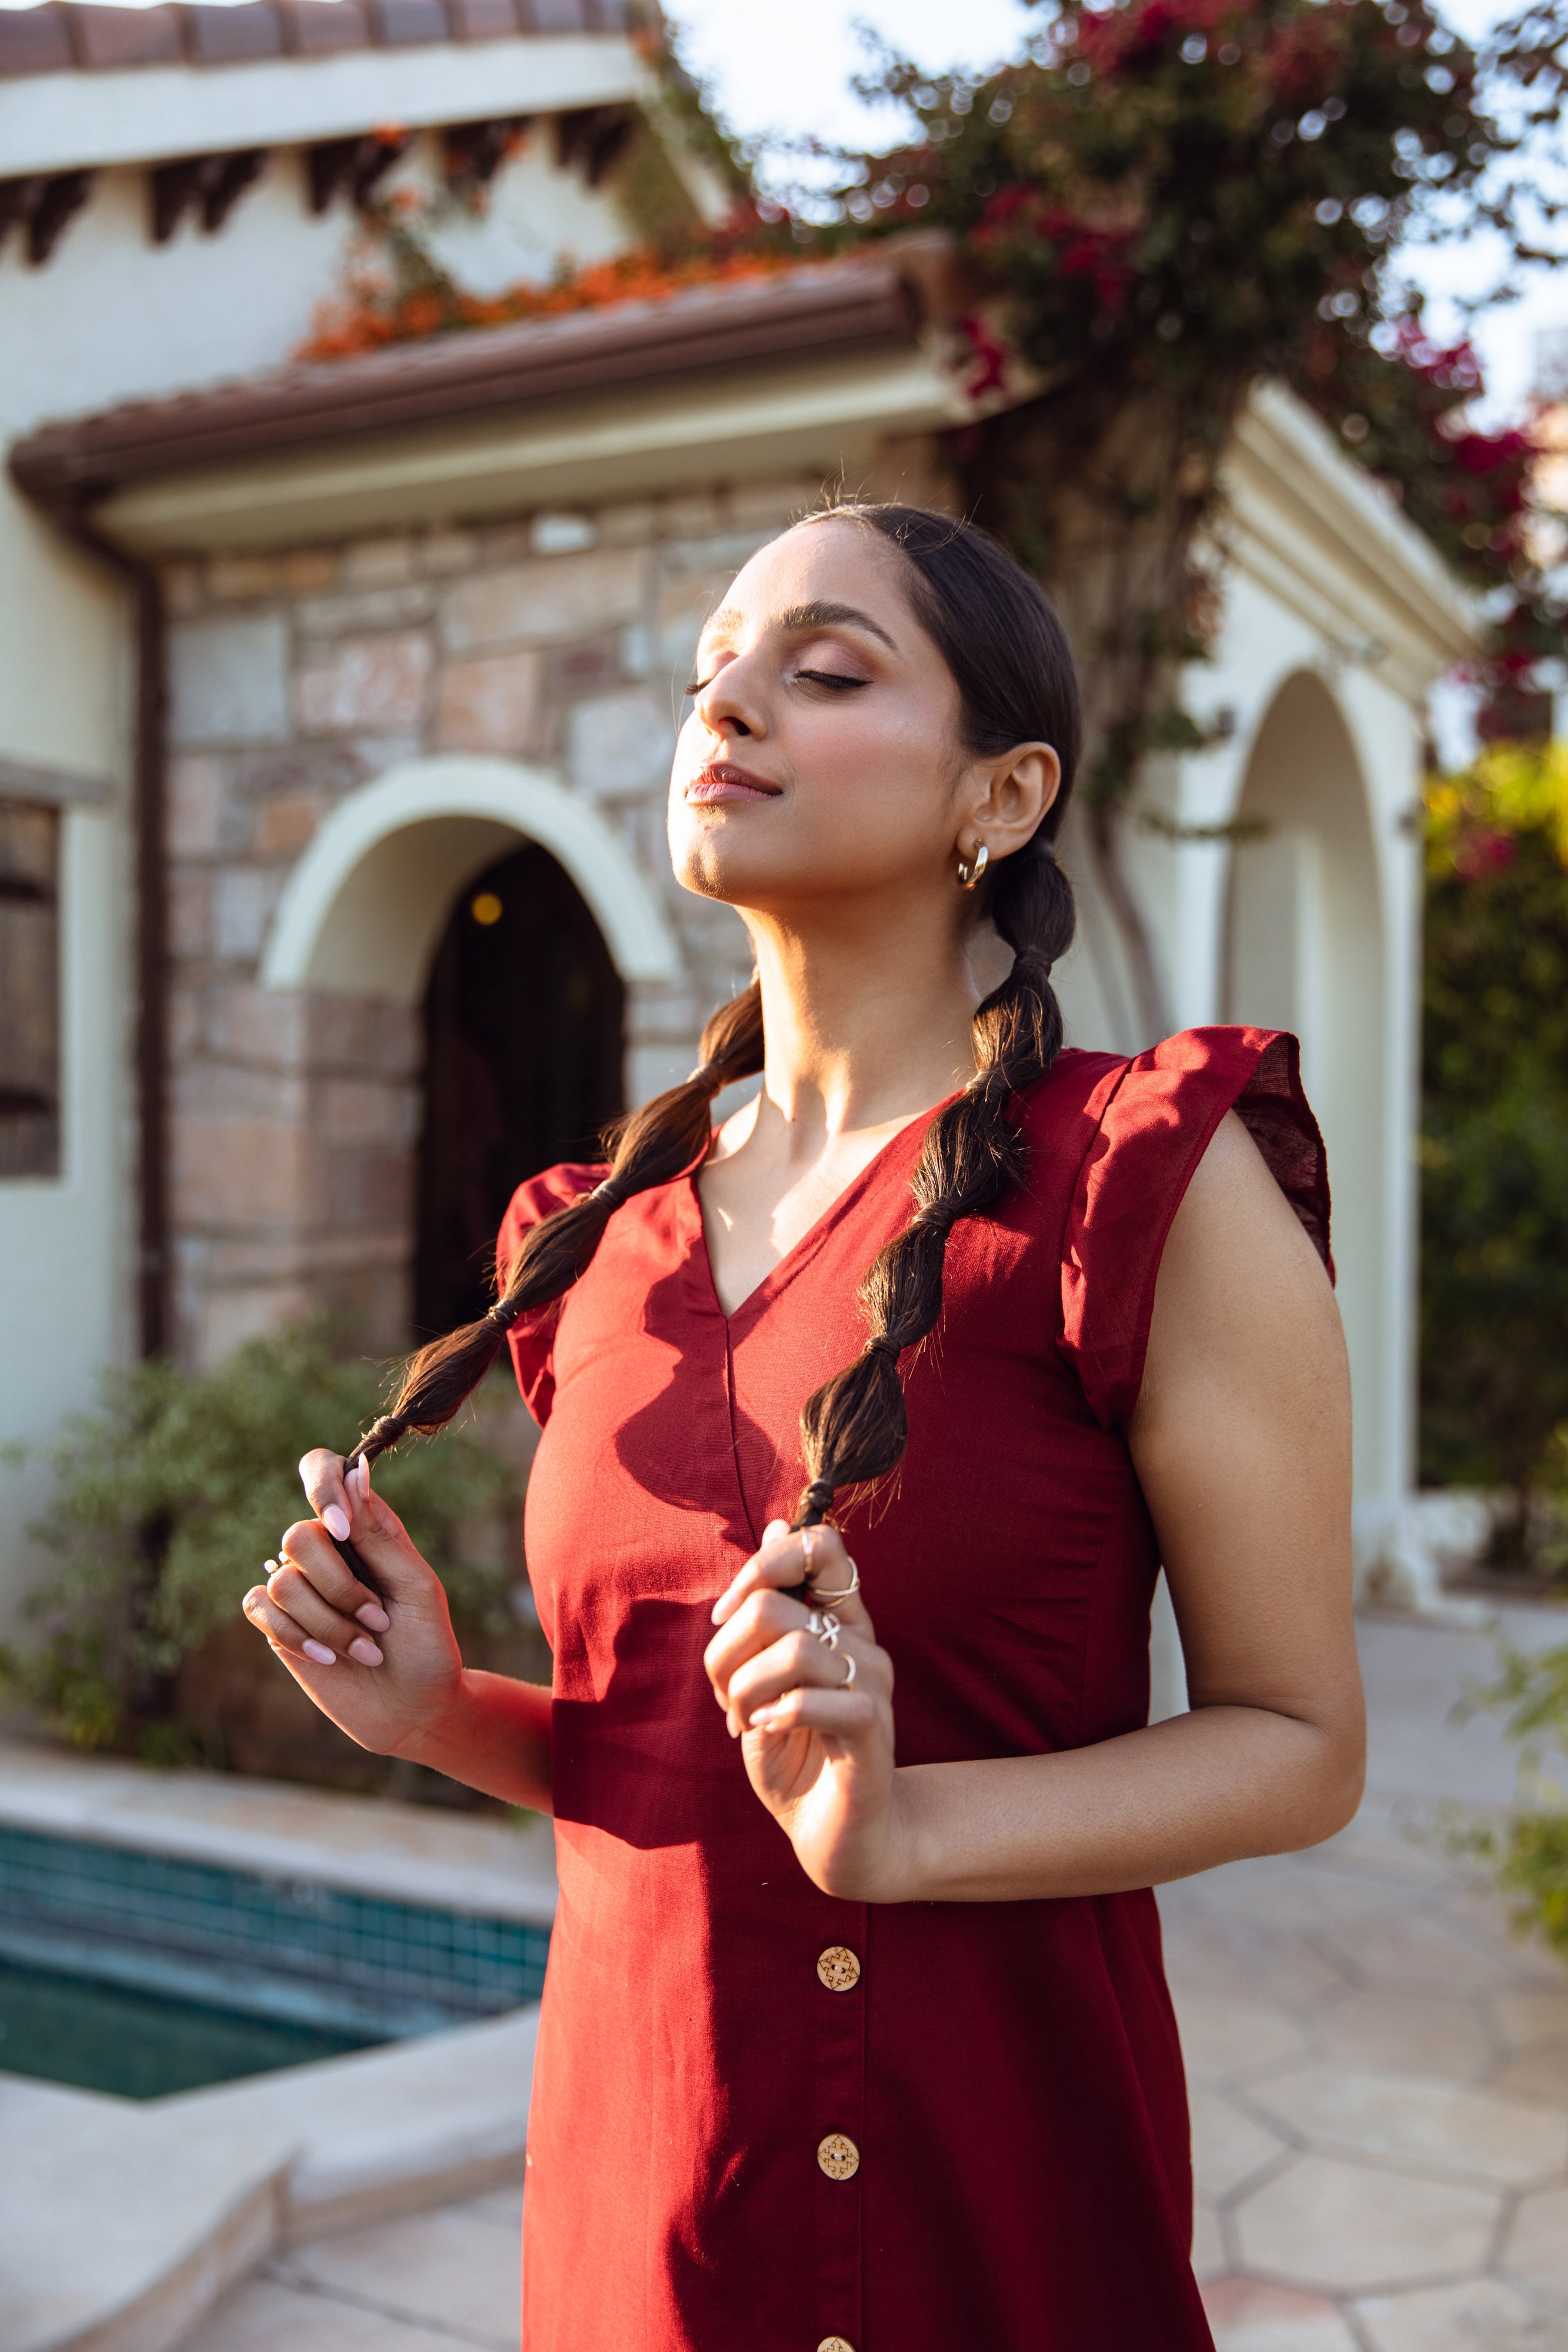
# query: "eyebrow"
800, 618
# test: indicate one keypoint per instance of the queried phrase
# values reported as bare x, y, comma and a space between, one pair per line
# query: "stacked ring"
837, 1599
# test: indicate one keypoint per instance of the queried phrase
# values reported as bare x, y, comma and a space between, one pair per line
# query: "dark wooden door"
523, 1022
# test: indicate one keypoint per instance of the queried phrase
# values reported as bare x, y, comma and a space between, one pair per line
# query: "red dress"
1006, 2075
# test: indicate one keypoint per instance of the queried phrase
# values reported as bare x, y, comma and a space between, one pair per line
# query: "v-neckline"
784, 1270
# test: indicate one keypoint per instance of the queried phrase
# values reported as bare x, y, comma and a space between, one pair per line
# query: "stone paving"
1379, 2072
422, 2283
1379, 2081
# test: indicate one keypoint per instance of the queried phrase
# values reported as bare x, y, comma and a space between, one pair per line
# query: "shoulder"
531, 1338
538, 1198
1150, 1119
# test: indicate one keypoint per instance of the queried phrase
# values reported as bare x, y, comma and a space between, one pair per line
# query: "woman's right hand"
387, 1672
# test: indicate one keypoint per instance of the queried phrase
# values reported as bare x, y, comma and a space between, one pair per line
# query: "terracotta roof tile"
33, 40
125, 37
320, 28
54, 35
482, 20
828, 312
400, 24
227, 36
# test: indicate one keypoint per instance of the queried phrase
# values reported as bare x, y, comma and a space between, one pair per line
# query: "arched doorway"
523, 1025
1305, 949
363, 921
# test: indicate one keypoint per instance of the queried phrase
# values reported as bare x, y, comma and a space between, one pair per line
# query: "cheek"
860, 764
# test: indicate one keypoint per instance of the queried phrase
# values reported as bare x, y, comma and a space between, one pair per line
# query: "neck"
867, 1024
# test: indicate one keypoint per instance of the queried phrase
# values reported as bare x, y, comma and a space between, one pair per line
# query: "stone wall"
295, 679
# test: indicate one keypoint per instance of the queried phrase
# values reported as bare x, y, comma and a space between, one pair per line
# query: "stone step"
127, 2222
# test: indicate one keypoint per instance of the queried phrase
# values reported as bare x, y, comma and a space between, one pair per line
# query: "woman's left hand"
818, 1747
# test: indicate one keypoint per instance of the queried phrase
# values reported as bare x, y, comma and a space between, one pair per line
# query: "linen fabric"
1008, 2074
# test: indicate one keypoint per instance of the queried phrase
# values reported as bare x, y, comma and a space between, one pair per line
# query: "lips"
721, 780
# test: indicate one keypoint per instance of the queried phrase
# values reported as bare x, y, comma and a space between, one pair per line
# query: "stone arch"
363, 908
1305, 948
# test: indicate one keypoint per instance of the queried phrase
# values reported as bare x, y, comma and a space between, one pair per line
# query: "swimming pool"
143, 1973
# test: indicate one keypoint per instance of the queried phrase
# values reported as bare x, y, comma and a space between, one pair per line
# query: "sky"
784, 69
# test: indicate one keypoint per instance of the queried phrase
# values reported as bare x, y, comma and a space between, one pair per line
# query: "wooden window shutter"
29, 990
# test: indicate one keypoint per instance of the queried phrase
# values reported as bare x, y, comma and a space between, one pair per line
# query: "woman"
847, 2045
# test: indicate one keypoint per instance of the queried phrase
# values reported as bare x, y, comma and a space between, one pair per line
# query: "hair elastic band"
504, 1313
608, 1191
882, 1346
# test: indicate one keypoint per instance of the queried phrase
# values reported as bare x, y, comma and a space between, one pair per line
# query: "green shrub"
171, 1496
1527, 1855
1494, 1141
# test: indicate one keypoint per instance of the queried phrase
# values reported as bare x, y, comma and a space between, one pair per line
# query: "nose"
729, 705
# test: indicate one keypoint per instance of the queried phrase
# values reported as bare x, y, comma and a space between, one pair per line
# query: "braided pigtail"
647, 1147
854, 1428
1001, 639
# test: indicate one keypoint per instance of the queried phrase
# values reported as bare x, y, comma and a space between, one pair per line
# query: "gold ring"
833, 1600
850, 1677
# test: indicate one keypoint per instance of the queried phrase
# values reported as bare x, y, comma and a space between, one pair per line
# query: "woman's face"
822, 758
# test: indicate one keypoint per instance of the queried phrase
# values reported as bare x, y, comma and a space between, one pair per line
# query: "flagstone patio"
1379, 2078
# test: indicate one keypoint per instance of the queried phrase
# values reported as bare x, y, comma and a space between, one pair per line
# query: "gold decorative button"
839, 2156
835, 2343
840, 1971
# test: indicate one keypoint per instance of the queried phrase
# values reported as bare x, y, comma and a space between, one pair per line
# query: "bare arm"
1241, 1441
415, 1696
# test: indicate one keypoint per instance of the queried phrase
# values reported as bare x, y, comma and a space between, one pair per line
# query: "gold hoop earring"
971, 868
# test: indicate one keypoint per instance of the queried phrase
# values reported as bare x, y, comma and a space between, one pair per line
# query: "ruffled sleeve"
1155, 1125
532, 1339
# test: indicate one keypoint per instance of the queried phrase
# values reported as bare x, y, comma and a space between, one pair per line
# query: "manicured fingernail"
761, 1719
376, 1619
363, 1467
335, 1520
270, 1566
365, 1650
320, 1651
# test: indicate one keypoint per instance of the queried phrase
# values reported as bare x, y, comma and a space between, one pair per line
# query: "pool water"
141, 1973
110, 2037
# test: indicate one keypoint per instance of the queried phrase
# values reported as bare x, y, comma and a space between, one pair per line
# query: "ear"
1007, 797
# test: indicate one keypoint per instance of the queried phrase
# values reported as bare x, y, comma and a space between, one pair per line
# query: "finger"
846, 1714
324, 1481
369, 1514
762, 1619
379, 1538
799, 1662
774, 1564
307, 1547
290, 1589
816, 1558
321, 1475
290, 1641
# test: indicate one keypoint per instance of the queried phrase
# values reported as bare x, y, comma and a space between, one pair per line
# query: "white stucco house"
346, 692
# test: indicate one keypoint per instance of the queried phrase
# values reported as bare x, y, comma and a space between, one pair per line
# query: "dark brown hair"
1010, 658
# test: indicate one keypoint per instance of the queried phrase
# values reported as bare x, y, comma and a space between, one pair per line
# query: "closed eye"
834, 678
